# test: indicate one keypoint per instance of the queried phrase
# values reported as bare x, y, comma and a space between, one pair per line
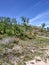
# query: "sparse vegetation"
22, 42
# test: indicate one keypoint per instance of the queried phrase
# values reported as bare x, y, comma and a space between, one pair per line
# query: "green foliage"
43, 25
47, 28
16, 40
10, 45
10, 27
29, 36
27, 57
1, 36
21, 63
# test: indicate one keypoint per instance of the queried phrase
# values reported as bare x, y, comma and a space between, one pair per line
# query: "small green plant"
1, 36
10, 45
27, 57
21, 63
17, 54
16, 40
29, 36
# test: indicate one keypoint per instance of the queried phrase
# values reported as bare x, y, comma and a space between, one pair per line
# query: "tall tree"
6, 23
14, 22
47, 28
25, 22
43, 25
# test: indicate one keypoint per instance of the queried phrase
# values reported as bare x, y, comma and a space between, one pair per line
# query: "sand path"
32, 62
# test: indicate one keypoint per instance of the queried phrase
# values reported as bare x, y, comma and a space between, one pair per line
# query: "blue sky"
36, 10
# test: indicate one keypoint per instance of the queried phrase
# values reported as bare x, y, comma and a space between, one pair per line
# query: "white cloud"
39, 16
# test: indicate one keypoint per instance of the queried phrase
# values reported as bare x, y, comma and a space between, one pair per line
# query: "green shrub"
16, 40
17, 54
22, 36
10, 45
1, 62
21, 63
1, 36
27, 57
29, 36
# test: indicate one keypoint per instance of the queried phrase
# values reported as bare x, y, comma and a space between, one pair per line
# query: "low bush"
10, 45
16, 40
1, 36
29, 36
27, 57
21, 63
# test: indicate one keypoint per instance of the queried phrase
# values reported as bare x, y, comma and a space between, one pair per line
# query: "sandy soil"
32, 62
